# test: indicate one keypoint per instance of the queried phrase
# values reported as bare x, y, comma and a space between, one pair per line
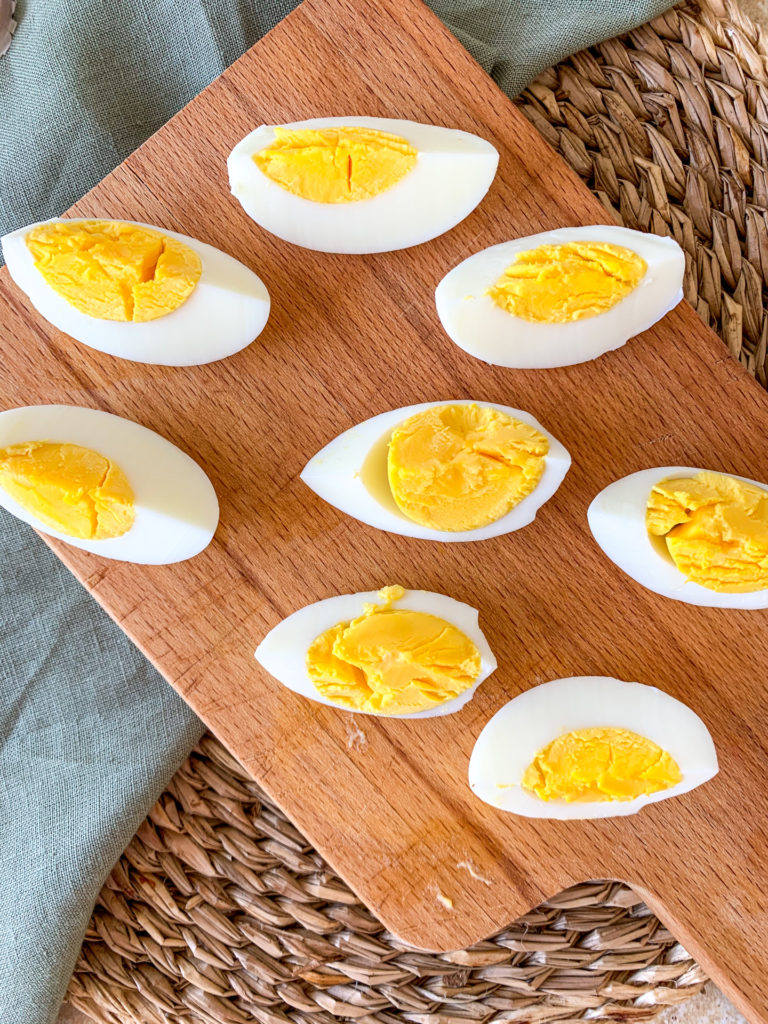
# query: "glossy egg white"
283, 650
530, 722
453, 172
176, 506
341, 474
617, 521
226, 311
475, 323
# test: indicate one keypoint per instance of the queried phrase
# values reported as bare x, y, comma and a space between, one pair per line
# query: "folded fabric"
86, 82
89, 733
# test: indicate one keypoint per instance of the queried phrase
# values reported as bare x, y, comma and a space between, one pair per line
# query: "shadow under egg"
374, 475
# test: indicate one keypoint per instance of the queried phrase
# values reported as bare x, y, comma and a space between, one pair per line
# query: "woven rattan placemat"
219, 911
669, 128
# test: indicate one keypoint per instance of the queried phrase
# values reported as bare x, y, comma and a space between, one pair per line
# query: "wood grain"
353, 336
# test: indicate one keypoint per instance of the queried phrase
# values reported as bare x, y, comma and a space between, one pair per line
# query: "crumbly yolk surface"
600, 764
115, 271
556, 284
336, 165
72, 489
715, 529
391, 661
459, 467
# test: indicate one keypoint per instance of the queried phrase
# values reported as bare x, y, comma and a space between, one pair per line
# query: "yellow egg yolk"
600, 764
391, 661
458, 467
115, 271
74, 490
715, 529
556, 284
336, 165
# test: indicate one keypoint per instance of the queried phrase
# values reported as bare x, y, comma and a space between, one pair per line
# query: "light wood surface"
353, 336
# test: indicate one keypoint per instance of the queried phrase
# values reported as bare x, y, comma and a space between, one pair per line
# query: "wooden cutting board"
349, 337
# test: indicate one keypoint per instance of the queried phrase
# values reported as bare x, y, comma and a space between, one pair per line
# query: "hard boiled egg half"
104, 484
396, 653
689, 534
360, 184
560, 297
590, 747
445, 471
137, 291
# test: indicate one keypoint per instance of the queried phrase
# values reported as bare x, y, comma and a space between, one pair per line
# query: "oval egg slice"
618, 521
149, 502
108, 284
562, 732
351, 651
351, 473
578, 293
360, 184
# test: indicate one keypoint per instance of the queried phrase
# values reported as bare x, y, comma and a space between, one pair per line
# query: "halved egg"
445, 471
136, 291
360, 184
689, 534
104, 484
590, 747
394, 652
560, 297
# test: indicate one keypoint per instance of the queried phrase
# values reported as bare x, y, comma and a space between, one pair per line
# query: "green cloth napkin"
89, 733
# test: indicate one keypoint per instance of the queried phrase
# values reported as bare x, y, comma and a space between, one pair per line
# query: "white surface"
453, 172
335, 474
710, 1007
475, 323
226, 311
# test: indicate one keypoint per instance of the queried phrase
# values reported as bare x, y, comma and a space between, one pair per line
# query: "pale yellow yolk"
115, 271
392, 662
458, 467
336, 165
555, 284
70, 488
715, 529
600, 764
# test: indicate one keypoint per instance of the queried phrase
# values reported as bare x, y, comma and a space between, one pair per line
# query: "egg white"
475, 323
453, 172
336, 475
175, 504
283, 650
617, 521
531, 721
227, 310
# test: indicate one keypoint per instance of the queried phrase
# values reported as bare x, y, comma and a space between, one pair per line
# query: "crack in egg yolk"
459, 467
391, 661
75, 490
556, 284
336, 165
600, 764
715, 529
115, 271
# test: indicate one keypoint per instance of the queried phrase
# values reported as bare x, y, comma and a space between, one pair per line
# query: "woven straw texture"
669, 127
219, 911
